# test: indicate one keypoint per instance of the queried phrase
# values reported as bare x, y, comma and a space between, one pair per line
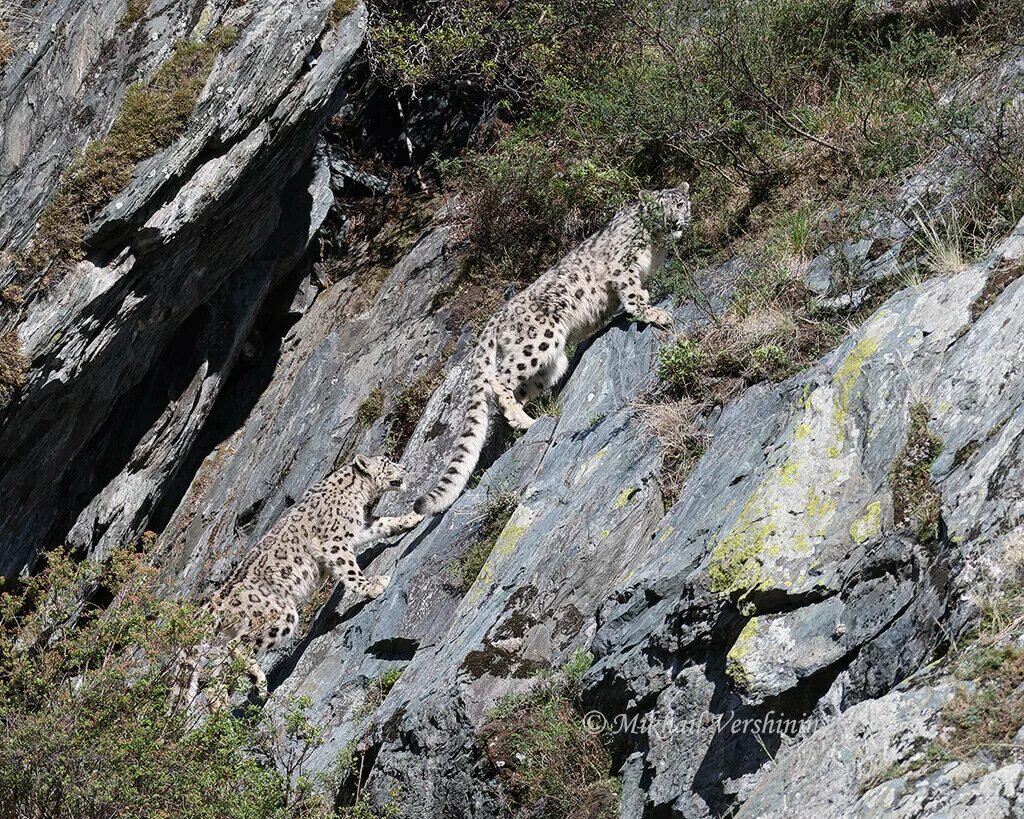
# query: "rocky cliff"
769, 642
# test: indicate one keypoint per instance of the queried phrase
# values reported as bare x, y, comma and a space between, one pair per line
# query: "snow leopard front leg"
340, 561
386, 527
637, 301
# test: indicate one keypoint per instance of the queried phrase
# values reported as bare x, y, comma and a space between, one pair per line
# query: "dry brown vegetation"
13, 365
153, 114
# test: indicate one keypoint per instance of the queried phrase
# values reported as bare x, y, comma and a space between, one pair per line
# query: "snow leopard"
258, 605
522, 350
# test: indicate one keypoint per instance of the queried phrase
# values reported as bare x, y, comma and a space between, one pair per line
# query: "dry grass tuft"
13, 365
683, 440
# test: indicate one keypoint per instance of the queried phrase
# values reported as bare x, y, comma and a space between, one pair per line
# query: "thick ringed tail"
470, 442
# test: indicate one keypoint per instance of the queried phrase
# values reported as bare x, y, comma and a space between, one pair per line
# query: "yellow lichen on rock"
868, 525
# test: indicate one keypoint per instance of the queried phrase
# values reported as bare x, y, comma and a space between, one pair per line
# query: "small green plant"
371, 408
134, 11
545, 753
596, 419
681, 365
798, 230
916, 502
407, 409
378, 689
493, 516
545, 404
770, 361
153, 114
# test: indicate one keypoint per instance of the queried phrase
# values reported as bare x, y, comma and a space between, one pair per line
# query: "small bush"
681, 365
13, 365
378, 689
917, 504
371, 408
546, 755
493, 516
408, 409
340, 10
153, 114
134, 11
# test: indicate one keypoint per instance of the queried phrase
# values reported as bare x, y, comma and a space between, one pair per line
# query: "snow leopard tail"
470, 442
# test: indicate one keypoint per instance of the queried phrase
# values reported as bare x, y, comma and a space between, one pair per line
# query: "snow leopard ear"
362, 463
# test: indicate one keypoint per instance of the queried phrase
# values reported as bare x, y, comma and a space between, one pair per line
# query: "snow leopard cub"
258, 605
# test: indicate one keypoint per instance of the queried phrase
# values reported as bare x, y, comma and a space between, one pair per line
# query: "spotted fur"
521, 351
258, 605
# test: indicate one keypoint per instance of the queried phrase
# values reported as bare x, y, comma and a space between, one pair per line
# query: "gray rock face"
109, 410
754, 638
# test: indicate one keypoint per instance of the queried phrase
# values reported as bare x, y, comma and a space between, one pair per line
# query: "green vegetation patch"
85, 694
134, 11
13, 365
340, 10
544, 752
494, 514
153, 114
378, 689
371, 408
407, 410
917, 503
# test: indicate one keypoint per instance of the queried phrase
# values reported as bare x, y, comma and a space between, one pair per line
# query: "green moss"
736, 559
13, 365
153, 114
624, 497
846, 379
371, 408
917, 503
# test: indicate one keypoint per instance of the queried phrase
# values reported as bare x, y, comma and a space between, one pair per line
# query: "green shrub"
767, 103
371, 408
408, 409
153, 114
681, 365
378, 688
89, 724
545, 754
